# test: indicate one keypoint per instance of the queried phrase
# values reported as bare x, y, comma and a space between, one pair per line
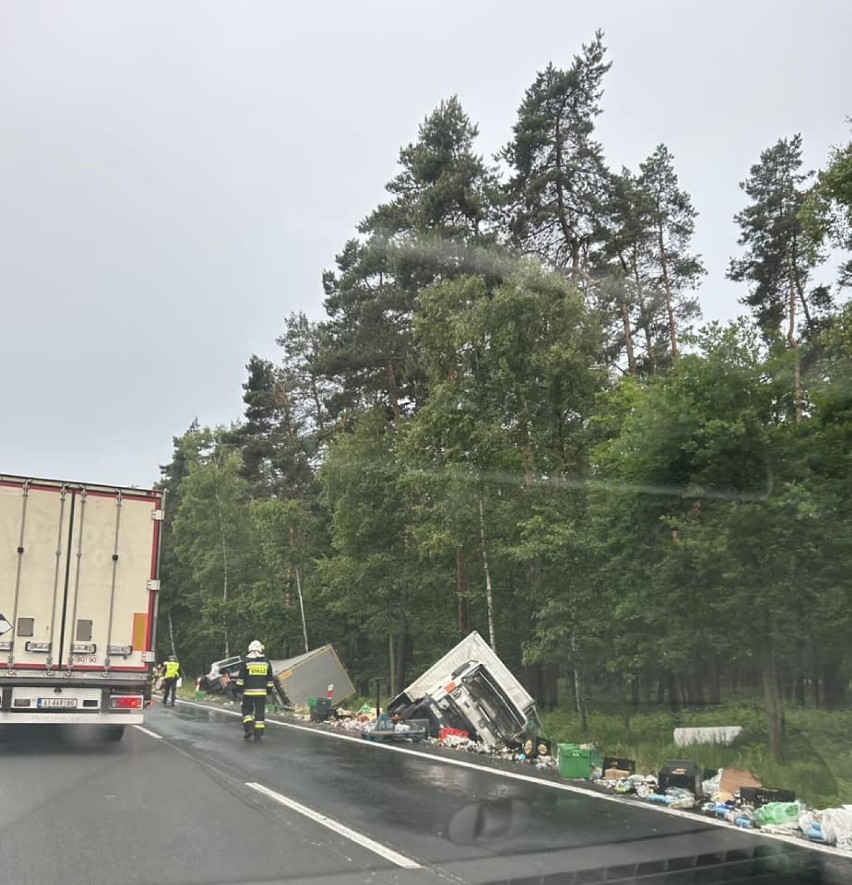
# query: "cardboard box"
733, 780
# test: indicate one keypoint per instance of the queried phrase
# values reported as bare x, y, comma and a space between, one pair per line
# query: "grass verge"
817, 758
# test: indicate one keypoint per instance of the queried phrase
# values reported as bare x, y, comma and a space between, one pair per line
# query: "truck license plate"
57, 702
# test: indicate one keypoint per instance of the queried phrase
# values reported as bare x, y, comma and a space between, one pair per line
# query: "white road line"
341, 829
148, 731
554, 785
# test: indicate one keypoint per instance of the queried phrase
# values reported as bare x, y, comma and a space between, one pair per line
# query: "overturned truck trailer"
470, 689
316, 673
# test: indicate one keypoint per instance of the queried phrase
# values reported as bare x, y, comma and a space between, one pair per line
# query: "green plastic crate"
577, 762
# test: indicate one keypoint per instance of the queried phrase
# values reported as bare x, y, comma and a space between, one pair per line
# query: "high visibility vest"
172, 670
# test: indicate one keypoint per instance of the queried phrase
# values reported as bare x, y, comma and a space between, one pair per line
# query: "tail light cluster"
126, 702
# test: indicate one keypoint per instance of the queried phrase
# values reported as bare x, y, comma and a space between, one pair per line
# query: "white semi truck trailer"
79, 583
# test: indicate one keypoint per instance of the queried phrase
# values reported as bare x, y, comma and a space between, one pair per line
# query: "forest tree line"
510, 419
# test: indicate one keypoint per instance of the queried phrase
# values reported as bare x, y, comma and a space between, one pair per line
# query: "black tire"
112, 732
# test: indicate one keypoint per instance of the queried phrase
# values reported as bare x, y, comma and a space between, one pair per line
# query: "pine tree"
670, 216
778, 257
439, 224
557, 168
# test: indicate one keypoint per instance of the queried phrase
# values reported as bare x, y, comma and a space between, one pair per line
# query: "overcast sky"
174, 176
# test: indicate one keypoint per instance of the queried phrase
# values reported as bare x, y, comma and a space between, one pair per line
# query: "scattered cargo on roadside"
469, 701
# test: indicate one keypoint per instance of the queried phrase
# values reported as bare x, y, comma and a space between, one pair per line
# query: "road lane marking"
554, 785
148, 731
341, 829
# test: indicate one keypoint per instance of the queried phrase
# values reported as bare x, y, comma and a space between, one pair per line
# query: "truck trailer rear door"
78, 568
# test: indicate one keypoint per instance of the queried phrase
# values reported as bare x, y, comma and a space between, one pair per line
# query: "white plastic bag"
179, 681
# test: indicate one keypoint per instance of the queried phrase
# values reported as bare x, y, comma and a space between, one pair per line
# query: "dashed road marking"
148, 731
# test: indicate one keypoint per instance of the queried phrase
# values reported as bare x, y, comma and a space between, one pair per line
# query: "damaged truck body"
470, 689
317, 673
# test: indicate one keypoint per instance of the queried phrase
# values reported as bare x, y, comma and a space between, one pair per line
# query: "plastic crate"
576, 761
758, 796
621, 764
683, 773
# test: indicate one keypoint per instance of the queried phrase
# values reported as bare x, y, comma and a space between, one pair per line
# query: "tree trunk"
462, 592
792, 343
172, 635
714, 691
401, 645
392, 663
225, 571
833, 687
773, 704
579, 700
669, 297
297, 573
674, 691
628, 337
393, 393
489, 596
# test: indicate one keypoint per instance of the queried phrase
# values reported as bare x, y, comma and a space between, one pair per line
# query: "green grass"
817, 760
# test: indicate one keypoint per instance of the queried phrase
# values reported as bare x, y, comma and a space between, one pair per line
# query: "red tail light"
126, 702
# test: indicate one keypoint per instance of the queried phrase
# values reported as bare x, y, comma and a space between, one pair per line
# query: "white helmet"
256, 647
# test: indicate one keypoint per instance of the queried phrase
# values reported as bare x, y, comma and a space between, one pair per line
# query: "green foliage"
826, 214
540, 448
817, 766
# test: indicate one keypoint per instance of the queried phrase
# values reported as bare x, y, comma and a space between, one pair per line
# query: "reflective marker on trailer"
126, 702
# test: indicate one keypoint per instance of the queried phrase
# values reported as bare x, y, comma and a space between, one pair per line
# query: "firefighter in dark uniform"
254, 680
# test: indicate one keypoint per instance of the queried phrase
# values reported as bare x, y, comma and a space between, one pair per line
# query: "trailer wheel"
112, 732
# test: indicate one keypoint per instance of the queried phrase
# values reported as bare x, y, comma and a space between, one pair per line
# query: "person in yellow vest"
254, 680
171, 671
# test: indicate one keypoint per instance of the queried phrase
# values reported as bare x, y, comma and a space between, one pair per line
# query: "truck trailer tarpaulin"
310, 675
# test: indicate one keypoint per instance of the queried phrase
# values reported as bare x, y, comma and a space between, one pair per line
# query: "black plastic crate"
757, 796
321, 710
619, 763
682, 773
533, 747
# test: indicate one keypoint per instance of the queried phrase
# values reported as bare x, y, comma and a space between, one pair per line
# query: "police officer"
254, 680
171, 671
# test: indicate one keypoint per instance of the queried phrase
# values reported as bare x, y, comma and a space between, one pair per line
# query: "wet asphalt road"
188, 801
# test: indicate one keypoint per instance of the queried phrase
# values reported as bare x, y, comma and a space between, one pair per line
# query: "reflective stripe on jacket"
255, 677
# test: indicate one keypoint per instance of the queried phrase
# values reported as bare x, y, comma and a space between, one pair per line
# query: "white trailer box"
470, 688
78, 601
